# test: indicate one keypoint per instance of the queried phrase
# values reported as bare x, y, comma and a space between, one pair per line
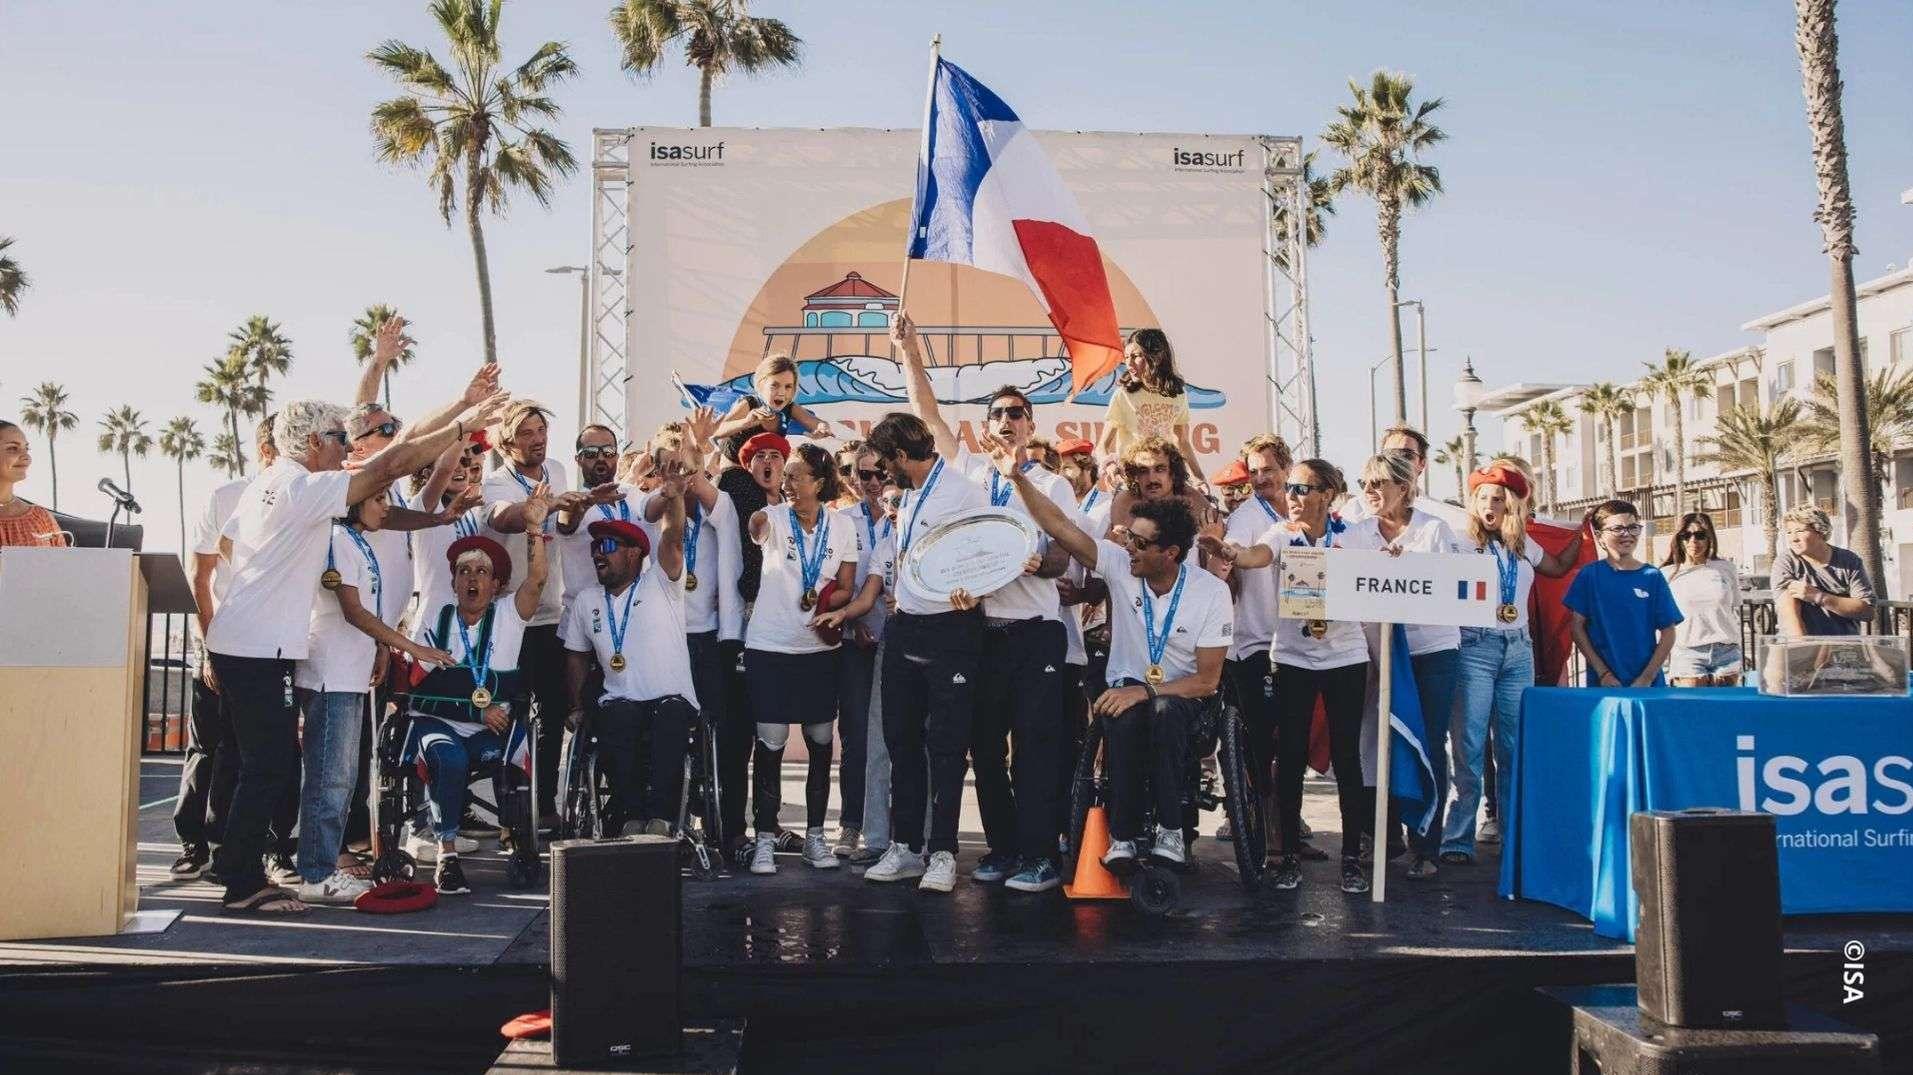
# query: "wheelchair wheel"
1155, 890
521, 870
1085, 790
393, 865
710, 806
1240, 801
582, 817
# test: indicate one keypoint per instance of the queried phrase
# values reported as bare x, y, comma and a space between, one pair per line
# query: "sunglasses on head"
1301, 488
1012, 413
606, 546
387, 428
601, 451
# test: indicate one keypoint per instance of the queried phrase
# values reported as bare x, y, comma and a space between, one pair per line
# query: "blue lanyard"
1159, 643
544, 475
910, 527
618, 629
479, 663
693, 529
1000, 489
1507, 567
624, 510
371, 562
1266, 509
870, 525
811, 566
1095, 494
466, 525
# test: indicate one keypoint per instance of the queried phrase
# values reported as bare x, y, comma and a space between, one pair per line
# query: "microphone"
120, 496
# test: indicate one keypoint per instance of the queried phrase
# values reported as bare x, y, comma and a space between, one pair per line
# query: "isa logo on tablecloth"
1788, 785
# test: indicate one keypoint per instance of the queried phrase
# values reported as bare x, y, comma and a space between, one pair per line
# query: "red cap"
1500, 474
763, 442
478, 437
623, 530
1078, 446
1233, 474
501, 560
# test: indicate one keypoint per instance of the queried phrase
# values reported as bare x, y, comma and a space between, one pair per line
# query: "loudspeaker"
1707, 953
616, 953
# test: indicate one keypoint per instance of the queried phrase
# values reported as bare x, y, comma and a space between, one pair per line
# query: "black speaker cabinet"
1707, 953
615, 951
1611, 1036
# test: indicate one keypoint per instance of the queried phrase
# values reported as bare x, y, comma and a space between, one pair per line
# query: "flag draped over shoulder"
1411, 776
1547, 616
988, 196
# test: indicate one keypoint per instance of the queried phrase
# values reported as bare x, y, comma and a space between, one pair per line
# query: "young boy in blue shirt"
1622, 610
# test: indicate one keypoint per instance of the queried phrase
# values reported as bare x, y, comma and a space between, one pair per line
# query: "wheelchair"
584, 796
1156, 887
398, 799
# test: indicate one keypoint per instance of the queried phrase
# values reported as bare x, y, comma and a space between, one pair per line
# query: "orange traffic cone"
1092, 881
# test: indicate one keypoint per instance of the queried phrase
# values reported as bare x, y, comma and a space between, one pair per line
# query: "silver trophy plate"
980, 553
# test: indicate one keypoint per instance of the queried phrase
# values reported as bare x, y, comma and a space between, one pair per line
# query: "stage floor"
825, 966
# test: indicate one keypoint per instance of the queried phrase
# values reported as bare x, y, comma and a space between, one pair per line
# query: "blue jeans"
331, 769
876, 782
1435, 676
449, 758
1496, 666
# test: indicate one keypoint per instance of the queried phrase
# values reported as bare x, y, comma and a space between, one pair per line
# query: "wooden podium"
72, 677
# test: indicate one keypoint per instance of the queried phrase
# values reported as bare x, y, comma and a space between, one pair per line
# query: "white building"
1796, 345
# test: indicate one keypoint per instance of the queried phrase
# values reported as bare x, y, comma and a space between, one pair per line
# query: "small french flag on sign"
1462, 593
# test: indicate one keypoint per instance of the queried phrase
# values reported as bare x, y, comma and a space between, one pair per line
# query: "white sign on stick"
1457, 589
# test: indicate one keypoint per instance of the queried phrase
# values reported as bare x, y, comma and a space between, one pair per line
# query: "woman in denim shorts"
1707, 589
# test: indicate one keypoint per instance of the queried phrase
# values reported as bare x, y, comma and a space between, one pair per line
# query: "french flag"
988, 196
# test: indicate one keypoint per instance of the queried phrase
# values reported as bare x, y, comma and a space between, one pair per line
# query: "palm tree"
1888, 415
1819, 50
1382, 135
1676, 378
1320, 193
1757, 440
364, 332
181, 441
227, 384
13, 279
1548, 419
1606, 402
124, 431
465, 120
264, 349
227, 455
44, 411
720, 36
1454, 453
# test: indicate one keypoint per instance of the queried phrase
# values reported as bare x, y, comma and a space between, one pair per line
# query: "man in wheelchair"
462, 715
632, 622
1170, 624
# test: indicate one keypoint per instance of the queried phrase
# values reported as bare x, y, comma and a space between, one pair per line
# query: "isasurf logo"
666, 153
1209, 161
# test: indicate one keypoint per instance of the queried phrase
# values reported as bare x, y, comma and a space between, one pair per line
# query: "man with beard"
1019, 695
600, 497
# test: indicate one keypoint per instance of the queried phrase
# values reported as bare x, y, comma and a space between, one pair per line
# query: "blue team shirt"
1625, 611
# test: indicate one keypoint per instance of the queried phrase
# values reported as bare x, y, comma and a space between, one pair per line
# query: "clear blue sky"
1621, 177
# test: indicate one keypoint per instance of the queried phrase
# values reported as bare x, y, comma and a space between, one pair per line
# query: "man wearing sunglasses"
1019, 696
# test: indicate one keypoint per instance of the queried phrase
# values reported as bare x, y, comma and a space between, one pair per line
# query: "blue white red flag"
518, 747
1411, 775
988, 196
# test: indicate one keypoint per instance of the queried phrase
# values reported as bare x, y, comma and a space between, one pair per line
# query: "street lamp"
1374, 430
1469, 392
1421, 345
584, 338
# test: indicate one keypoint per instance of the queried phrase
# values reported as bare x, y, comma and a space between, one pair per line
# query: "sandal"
1457, 858
354, 866
1422, 868
269, 902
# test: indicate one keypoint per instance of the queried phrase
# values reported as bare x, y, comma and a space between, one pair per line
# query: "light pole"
1469, 392
584, 338
1374, 429
1421, 346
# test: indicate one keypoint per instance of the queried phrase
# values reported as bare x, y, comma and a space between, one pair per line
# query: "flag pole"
1384, 734
923, 158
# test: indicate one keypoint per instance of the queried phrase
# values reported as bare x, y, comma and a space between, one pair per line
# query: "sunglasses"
1014, 414
338, 435
871, 475
1621, 531
1403, 453
1301, 489
605, 451
606, 546
1137, 541
1690, 535
387, 428
1369, 484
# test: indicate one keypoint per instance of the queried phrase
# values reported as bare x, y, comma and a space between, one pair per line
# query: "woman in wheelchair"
1170, 627
461, 715
632, 623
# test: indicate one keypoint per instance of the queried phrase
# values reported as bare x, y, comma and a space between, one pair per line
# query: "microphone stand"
112, 520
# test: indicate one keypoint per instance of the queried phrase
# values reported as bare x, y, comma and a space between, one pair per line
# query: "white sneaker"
848, 841
941, 874
1120, 851
1168, 846
764, 854
817, 852
1490, 832
899, 863
341, 887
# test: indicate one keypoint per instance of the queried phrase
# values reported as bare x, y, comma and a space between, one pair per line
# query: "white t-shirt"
394, 549
505, 487
657, 661
876, 551
950, 495
1531, 554
574, 549
1203, 620
212, 524
779, 623
339, 656
1709, 598
1026, 596
715, 605
1092, 516
1343, 645
280, 531
508, 636
433, 573
1424, 533
1255, 587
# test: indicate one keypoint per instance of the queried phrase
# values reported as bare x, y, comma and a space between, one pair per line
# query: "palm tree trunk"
388, 390
182, 505
1547, 455
126, 469
1680, 459
53, 464
474, 199
1388, 223
1461, 483
1769, 512
1613, 460
704, 97
232, 419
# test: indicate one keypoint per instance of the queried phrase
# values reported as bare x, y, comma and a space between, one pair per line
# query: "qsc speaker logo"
684, 155
1202, 160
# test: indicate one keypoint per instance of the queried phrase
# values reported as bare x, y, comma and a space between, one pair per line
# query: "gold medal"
690, 581
1317, 629
1154, 675
331, 579
1507, 613
617, 662
809, 600
481, 698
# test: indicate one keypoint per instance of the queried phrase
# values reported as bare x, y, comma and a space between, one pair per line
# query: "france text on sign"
1458, 589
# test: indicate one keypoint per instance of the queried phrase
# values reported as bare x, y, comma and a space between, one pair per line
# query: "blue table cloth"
1835, 772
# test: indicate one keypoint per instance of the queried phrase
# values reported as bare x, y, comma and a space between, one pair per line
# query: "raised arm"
404, 456
1054, 521
369, 624
670, 550
1211, 540
387, 343
916, 383
536, 554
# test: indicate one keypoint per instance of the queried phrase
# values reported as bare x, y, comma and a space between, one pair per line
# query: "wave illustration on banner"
840, 342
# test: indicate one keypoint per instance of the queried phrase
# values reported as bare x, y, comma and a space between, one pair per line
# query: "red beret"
774, 442
478, 437
1078, 446
501, 560
1500, 474
624, 530
1233, 474
396, 897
